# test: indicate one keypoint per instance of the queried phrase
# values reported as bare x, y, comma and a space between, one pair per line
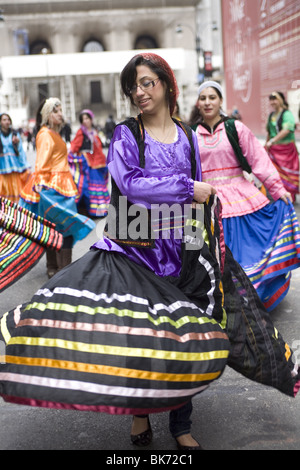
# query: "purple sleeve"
142, 185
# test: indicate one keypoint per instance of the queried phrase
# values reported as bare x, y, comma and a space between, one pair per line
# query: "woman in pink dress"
263, 237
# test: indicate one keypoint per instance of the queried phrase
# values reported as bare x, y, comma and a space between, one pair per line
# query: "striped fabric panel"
278, 260
115, 337
99, 199
284, 253
21, 221
17, 255
96, 191
286, 160
23, 238
288, 176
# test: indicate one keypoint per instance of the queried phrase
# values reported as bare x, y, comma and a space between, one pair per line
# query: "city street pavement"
232, 414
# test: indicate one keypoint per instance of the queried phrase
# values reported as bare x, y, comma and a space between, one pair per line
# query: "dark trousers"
179, 420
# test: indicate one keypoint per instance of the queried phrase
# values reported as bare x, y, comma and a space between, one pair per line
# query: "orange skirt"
11, 184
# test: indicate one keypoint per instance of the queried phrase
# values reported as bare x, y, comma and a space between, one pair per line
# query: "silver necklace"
156, 138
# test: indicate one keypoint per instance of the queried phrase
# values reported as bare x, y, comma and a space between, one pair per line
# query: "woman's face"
5, 122
56, 117
209, 104
87, 121
275, 104
149, 94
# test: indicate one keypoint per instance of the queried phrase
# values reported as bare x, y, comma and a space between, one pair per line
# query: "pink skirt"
286, 160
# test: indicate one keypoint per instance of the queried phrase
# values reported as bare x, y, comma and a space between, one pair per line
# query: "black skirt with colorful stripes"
108, 335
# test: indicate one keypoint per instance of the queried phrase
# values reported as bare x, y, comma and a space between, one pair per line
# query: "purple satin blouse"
166, 179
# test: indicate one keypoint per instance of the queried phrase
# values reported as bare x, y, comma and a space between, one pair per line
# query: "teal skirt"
62, 211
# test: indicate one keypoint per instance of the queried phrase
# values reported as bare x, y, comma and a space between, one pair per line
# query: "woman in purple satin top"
166, 178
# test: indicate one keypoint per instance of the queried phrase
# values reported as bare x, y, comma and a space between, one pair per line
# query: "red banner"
261, 40
208, 68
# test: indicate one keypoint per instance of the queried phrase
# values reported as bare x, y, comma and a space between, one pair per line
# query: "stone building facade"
76, 49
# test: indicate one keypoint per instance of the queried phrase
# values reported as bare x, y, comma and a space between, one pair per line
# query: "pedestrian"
87, 162
109, 127
51, 191
280, 142
255, 230
235, 114
137, 325
14, 167
66, 132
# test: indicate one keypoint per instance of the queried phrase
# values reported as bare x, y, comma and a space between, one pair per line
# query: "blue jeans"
179, 420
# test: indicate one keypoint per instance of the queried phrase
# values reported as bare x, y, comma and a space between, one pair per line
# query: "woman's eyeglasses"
145, 86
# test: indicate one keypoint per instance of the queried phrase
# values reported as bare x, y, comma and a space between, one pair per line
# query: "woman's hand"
15, 140
269, 144
202, 191
287, 198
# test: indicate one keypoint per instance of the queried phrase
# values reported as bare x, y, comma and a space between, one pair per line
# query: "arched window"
40, 47
93, 45
145, 42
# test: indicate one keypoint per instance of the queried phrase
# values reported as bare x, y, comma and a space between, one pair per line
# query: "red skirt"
285, 158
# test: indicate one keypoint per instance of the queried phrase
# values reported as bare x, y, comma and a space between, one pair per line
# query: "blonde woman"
51, 190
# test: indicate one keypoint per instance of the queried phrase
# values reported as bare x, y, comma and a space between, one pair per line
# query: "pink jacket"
222, 170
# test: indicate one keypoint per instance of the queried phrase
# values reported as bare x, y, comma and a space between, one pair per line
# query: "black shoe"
181, 447
144, 438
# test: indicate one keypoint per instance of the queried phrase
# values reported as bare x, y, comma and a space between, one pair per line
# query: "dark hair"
218, 92
273, 96
158, 66
38, 119
83, 114
5, 114
195, 116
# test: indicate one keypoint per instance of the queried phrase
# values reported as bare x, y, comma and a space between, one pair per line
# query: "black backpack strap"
189, 133
136, 126
234, 141
280, 120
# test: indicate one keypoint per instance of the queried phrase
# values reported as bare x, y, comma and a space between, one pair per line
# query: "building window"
96, 94
93, 45
40, 47
145, 42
